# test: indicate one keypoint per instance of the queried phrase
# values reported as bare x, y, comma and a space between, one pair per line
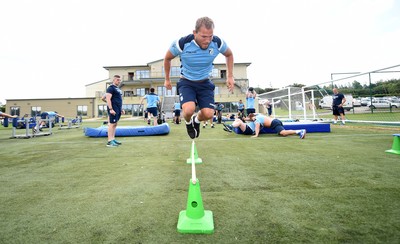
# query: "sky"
52, 49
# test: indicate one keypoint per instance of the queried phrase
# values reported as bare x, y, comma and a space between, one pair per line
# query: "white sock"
196, 120
343, 122
334, 121
298, 131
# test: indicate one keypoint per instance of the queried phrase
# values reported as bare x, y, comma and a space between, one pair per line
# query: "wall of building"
67, 107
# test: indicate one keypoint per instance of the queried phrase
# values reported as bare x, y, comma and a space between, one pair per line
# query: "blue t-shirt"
51, 114
252, 125
116, 97
250, 102
152, 100
197, 63
177, 106
241, 106
260, 119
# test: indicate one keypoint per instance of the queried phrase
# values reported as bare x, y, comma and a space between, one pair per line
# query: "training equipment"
309, 127
195, 219
29, 124
102, 131
195, 155
71, 123
396, 145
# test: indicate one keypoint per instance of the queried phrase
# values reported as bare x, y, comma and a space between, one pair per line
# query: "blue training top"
250, 102
177, 106
197, 63
241, 106
152, 100
116, 98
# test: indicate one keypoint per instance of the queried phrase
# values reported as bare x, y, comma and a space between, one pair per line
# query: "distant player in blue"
114, 109
338, 100
197, 52
250, 99
152, 105
177, 113
47, 118
240, 109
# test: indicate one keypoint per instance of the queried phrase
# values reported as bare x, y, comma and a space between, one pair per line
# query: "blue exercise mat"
162, 129
310, 127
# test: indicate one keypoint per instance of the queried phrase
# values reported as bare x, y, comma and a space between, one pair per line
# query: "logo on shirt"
211, 51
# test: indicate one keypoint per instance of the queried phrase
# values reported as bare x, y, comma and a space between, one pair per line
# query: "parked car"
381, 103
365, 100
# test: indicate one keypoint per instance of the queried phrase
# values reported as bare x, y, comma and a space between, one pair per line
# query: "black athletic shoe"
196, 126
227, 127
191, 130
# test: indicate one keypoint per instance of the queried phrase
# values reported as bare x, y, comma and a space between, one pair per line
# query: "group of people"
197, 52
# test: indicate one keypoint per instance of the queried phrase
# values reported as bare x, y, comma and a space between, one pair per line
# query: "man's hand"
167, 84
230, 83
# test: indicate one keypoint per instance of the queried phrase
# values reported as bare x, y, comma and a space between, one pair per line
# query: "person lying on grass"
257, 121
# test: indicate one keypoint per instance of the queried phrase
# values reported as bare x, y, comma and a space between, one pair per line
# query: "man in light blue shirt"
197, 52
250, 99
152, 105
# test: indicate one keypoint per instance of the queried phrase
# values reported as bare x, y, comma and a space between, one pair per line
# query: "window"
143, 73
171, 92
82, 110
223, 74
214, 73
15, 110
128, 93
102, 110
175, 71
36, 111
131, 75
140, 92
160, 90
127, 108
216, 90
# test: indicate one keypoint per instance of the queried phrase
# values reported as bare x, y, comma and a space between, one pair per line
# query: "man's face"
203, 37
117, 81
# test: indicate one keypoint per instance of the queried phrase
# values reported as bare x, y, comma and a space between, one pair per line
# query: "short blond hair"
204, 21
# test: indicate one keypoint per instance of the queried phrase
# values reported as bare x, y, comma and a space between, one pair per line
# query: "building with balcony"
136, 82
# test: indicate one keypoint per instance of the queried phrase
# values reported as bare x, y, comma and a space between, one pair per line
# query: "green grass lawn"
338, 187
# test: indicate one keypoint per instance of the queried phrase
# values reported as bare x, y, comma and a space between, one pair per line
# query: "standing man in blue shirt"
197, 52
177, 112
152, 101
250, 100
114, 109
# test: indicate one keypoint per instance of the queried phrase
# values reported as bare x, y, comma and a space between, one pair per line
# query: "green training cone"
195, 219
396, 145
194, 155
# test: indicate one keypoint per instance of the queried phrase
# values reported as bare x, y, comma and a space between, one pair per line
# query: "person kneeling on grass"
257, 121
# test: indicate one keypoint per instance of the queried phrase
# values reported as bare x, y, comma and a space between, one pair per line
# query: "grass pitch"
338, 187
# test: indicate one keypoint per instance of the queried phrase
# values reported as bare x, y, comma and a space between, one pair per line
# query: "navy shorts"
337, 110
114, 118
177, 112
248, 131
200, 92
153, 111
250, 111
277, 126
